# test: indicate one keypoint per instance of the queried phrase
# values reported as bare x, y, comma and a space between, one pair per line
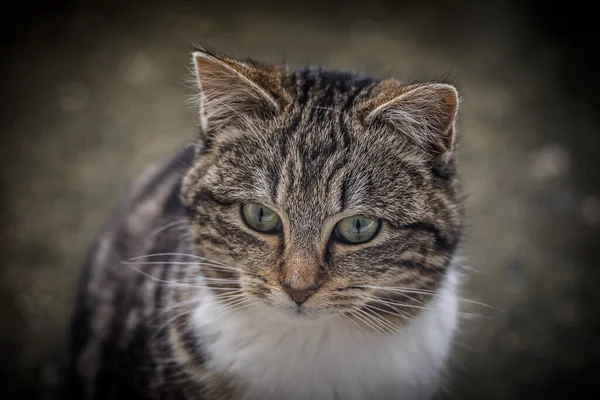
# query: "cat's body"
180, 300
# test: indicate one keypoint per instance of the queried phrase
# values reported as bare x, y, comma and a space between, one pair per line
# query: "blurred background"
92, 92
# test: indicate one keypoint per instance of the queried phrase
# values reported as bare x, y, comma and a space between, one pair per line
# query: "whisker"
368, 322
396, 289
386, 325
398, 313
353, 313
394, 303
177, 305
184, 263
177, 222
208, 279
223, 300
422, 291
233, 301
176, 255
229, 306
199, 265
343, 314
400, 304
197, 300
155, 279
242, 306
223, 289
186, 283
187, 264
170, 321
403, 293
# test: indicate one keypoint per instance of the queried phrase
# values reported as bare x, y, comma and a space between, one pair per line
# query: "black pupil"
358, 226
260, 215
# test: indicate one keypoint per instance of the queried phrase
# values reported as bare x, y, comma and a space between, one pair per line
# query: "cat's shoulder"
138, 224
153, 199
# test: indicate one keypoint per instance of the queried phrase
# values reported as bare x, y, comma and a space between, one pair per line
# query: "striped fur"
181, 300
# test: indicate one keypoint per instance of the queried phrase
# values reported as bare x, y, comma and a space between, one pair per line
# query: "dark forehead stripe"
316, 87
319, 126
350, 90
276, 166
344, 192
323, 101
306, 79
358, 87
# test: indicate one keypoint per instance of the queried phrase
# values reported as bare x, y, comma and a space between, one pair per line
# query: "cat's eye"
261, 218
356, 229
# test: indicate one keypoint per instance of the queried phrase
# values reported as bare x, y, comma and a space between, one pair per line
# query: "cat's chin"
301, 314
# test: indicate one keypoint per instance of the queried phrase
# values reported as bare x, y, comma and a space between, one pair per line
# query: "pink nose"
300, 296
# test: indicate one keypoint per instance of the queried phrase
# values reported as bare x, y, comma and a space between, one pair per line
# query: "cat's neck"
261, 348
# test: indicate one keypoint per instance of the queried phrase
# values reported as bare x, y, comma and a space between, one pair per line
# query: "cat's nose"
300, 295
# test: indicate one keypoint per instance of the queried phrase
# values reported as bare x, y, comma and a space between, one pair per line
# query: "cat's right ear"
232, 91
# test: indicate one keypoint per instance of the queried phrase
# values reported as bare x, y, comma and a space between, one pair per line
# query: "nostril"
299, 295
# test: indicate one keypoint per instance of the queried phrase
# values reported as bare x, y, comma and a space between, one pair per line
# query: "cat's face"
324, 192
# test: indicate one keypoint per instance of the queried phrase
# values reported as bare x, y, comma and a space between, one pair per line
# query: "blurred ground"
93, 94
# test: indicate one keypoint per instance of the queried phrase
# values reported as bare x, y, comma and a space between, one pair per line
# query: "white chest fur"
274, 358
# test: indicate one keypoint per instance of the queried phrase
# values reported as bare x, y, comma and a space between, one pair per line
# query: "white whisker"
403, 291
176, 223
404, 305
386, 326
155, 279
398, 313
178, 305
367, 321
170, 321
199, 265
230, 305
343, 314
175, 255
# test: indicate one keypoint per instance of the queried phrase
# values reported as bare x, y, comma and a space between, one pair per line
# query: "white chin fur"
273, 357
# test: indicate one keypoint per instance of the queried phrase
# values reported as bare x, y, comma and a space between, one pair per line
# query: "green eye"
356, 229
261, 218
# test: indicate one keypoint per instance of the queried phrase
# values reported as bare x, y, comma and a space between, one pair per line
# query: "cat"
302, 247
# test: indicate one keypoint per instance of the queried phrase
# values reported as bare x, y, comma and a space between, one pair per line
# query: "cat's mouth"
302, 311
299, 312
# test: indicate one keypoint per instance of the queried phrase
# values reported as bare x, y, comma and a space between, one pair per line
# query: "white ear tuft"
230, 90
426, 113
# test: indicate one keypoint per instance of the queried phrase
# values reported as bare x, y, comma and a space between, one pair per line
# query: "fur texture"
328, 359
182, 299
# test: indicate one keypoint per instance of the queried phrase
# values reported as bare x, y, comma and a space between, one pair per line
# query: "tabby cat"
302, 248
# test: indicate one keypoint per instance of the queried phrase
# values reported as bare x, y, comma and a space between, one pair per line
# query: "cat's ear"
232, 90
426, 113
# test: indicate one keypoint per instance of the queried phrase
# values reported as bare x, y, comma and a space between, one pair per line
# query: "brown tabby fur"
311, 144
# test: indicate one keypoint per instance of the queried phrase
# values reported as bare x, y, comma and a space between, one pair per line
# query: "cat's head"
323, 191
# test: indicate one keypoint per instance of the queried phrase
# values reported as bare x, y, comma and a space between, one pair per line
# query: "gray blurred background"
94, 92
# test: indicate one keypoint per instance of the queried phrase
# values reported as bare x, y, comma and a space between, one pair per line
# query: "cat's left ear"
425, 113
232, 91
